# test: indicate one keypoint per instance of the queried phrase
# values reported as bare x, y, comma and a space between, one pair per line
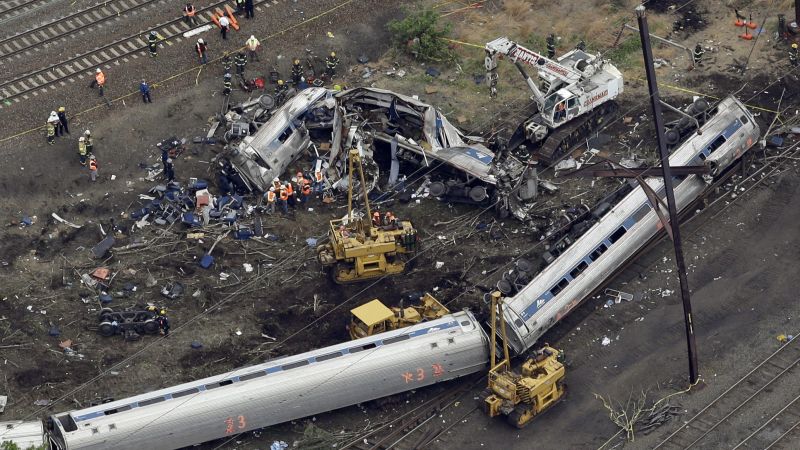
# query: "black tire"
150, 326
106, 329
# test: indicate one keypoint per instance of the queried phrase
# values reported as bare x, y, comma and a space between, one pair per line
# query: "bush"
421, 34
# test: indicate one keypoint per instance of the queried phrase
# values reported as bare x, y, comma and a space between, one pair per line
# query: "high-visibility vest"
284, 195
271, 196
318, 176
93, 165
100, 77
82, 148
252, 44
51, 129
289, 190
306, 188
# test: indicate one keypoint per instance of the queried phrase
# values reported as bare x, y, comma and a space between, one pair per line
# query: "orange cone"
746, 36
739, 22
750, 24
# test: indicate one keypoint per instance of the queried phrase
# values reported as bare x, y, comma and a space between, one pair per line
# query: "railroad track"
10, 9
58, 74
778, 373
391, 434
78, 21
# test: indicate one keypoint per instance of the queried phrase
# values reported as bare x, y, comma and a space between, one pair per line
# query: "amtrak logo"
540, 303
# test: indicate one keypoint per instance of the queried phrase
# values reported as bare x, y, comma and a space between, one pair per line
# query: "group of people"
160, 316
58, 125
283, 195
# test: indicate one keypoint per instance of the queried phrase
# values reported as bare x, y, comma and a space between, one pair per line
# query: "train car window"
363, 347
555, 290
617, 234
151, 401
392, 340
717, 143
598, 251
559, 287
220, 384
641, 212
295, 365
253, 375
466, 323
185, 393
578, 269
328, 356
116, 410
434, 345
743, 119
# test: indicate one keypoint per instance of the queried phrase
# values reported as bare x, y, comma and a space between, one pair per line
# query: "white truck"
573, 98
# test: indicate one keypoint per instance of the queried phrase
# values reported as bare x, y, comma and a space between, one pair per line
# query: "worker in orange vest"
290, 193
305, 191
189, 14
270, 197
283, 198
93, 167
276, 183
99, 80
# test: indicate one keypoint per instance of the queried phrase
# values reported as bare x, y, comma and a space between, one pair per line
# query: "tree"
422, 35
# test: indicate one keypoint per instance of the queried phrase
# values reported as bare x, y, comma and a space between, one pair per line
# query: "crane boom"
516, 52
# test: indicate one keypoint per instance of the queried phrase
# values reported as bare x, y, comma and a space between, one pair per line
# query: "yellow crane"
359, 250
374, 317
521, 397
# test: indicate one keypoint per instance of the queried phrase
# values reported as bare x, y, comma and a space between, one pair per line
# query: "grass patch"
628, 54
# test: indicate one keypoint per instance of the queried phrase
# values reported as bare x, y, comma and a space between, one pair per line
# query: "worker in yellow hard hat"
297, 72
331, 62
793, 55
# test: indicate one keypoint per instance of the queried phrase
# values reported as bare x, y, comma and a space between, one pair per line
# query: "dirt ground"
738, 260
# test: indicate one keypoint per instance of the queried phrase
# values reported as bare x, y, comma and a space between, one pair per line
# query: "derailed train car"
278, 391
627, 227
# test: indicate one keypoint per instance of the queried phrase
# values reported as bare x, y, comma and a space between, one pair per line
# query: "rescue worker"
581, 45
201, 47
99, 80
82, 150
239, 7
169, 170
561, 112
226, 84
152, 44
249, 9
226, 62
51, 129
93, 168
389, 220
283, 199
280, 92
297, 72
305, 191
319, 182
376, 219
551, 46
241, 61
793, 55
270, 196
697, 56
224, 26
252, 45
330, 65
144, 88
290, 195
276, 183
189, 14
62, 121
163, 322
89, 142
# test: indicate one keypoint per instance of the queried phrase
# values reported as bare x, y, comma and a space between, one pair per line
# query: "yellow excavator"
521, 397
359, 249
375, 317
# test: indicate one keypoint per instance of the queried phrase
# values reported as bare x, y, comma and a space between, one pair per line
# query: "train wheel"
106, 329
150, 326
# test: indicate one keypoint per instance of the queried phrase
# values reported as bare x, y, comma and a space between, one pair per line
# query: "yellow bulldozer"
375, 317
359, 249
521, 397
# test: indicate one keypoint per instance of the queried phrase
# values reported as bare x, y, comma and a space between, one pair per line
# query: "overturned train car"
625, 229
277, 391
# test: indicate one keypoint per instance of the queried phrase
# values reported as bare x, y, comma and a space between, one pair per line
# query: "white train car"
281, 390
625, 229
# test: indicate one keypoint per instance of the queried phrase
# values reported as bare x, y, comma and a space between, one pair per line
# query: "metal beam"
665, 41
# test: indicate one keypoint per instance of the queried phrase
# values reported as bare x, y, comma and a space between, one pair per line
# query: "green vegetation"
8, 445
421, 34
627, 54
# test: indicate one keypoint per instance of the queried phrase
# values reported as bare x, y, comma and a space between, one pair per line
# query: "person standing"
252, 45
793, 55
89, 142
581, 46
99, 80
331, 62
226, 84
144, 88
297, 72
62, 120
224, 26
697, 56
281, 89
152, 43
271, 197
189, 14
93, 168
551, 46
82, 150
241, 61
239, 7
201, 49
226, 62
283, 198
169, 170
248, 9
51, 131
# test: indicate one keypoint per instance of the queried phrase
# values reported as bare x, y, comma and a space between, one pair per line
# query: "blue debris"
432, 71
197, 345
54, 331
312, 242
139, 213
198, 185
271, 237
206, 261
26, 221
242, 234
105, 298
190, 220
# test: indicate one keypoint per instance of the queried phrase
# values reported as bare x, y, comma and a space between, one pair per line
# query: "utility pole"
673, 213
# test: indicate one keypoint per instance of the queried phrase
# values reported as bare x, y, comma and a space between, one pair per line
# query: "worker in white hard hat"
82, 150
270, 196
89, 141
52, 122
252, 45
276, 183
201, 48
